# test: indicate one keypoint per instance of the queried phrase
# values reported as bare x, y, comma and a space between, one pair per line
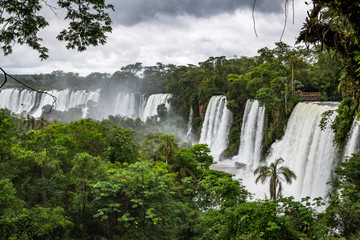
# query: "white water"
216, 126
126, 105
353, 145
252, 134
123, 103
189, 125
30, 102
306, 150
153, 102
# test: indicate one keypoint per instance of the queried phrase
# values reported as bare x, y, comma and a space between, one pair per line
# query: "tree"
184, 163
168, 146
343, 213
335, 24
162, 112
140, 202
21, 21
276, 174
122, 146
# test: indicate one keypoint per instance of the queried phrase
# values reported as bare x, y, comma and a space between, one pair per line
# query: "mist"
129, 97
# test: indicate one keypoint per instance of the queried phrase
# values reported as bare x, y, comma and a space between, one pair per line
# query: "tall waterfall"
153, 102
353, 145
216, 126
308, 151
30, 102
252, 134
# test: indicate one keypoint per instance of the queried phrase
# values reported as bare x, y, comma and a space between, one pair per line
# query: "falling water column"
216, 125
252, 134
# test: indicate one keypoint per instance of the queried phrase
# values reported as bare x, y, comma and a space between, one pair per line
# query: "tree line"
96, 180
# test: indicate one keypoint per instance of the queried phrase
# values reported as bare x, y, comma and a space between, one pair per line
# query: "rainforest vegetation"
96, 180
121, 179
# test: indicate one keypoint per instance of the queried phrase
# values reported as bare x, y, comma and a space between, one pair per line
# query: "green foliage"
267, 97
88, 24
282, 219
122, 146
167, 146
343, 121
17, 222
220, 190
343, 211
7, 135
276, 175
93, 180
202, 155
162, 112
140, 203
56, 184
334, 24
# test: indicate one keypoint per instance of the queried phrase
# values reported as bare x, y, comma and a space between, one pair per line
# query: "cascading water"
126, 104
305, 148
153, 102
30, 102
252, 134
17, 100
352, 145
123, 103
308, 151
189, 125
216, 126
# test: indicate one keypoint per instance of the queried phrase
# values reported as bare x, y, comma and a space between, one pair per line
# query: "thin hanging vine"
6, 76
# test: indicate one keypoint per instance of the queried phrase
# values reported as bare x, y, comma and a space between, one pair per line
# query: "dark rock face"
240, 165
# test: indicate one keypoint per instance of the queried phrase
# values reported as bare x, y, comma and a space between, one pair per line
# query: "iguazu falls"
179, 120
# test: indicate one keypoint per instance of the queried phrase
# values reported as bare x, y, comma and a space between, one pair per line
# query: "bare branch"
52, 8
286, 15
27, 86
253, 16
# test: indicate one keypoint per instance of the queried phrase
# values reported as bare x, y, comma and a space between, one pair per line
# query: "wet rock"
240, 165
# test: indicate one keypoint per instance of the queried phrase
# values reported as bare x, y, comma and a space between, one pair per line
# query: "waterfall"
252, 134
189, 125
216, 126
142, 103
352, 145
17, 101
153, 102
307, 150
118, 102
30, 102
126, 104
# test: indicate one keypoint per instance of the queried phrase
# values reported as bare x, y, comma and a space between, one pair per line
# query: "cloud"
137, 11
181, 39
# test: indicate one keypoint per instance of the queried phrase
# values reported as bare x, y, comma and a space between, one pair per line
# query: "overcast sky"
168, 31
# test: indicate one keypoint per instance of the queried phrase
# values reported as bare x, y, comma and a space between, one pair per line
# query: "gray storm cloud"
131, 12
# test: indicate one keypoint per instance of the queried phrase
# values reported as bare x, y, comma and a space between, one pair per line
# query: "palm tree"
276, 174
168, 146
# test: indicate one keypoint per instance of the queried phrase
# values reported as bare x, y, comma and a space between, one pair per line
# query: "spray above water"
25, 101
125, 104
